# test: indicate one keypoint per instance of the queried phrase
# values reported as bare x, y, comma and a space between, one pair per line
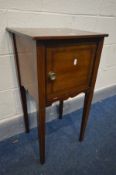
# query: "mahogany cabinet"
54, 64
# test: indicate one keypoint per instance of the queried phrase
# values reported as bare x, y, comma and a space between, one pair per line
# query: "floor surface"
65, 155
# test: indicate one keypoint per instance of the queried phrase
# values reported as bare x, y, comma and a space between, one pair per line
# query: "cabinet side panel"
26, 50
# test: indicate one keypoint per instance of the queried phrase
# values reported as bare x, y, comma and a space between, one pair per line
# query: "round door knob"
52, 76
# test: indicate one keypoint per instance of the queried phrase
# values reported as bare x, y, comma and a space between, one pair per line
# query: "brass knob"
52, 76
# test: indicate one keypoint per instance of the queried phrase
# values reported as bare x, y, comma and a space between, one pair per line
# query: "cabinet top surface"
54, 33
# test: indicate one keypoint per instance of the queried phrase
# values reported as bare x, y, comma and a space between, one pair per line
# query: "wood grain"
60, 59
26, 49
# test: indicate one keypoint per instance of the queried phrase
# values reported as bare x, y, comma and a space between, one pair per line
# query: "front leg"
41, 132
86, 110
41, 100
